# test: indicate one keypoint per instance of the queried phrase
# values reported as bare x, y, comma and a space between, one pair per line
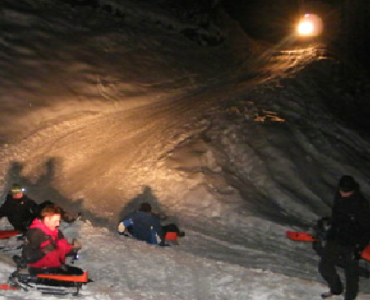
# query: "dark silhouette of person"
346, 239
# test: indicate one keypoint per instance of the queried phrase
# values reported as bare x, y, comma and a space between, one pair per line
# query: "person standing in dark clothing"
19, 209
346, 239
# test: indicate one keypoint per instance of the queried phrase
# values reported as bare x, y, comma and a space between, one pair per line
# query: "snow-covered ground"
234, 142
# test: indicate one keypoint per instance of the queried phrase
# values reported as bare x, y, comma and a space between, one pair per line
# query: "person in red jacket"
45, 247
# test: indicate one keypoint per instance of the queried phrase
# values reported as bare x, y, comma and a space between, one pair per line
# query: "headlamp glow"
309, 25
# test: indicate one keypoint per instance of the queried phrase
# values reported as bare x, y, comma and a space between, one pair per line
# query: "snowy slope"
100, 112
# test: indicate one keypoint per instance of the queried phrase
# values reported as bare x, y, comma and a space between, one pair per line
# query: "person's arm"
4, 209
32, 212
32, 250
158, 228
32, 207
127, 220
161, 215
64, 247
363, 219
125, 225
332, 231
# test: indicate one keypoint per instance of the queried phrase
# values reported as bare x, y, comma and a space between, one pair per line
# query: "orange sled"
307, 237
171, 236
47, 284
300, 236
63, 277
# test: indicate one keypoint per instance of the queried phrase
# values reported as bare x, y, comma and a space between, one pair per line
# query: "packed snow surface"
102, 109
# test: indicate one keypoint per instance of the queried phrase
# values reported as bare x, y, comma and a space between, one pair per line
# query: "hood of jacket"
38, 224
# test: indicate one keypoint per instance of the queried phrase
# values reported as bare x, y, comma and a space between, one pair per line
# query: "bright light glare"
309, 25
305, 28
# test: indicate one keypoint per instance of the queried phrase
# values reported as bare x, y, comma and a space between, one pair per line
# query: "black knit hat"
146, 207
347, 183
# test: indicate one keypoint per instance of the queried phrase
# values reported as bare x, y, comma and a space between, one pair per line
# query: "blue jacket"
145, 225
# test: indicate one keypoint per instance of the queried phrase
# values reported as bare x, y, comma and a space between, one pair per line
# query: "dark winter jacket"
350, 220
45, 248
142, 225
20, 212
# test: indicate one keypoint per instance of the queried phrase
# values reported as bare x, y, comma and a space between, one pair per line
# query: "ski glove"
76, 244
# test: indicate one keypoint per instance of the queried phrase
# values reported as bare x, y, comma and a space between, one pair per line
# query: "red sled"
64, 277
171, 236
307, 237
5, 234
300, 236
366, 253
7, 287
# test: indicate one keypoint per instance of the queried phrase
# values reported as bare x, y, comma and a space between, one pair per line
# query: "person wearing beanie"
346, 239
18, 208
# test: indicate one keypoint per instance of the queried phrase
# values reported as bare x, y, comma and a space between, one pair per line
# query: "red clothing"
45, 248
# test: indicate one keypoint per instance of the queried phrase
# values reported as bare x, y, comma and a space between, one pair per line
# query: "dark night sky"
346, 35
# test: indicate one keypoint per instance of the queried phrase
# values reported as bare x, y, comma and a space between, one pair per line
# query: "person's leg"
67, 269
327, 269
170, 228
351, 270
35, 271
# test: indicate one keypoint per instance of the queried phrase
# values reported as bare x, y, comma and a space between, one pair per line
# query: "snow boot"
327, 295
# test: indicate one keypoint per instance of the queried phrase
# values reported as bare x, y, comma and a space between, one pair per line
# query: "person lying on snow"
45, 247
145, 225
19, 209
